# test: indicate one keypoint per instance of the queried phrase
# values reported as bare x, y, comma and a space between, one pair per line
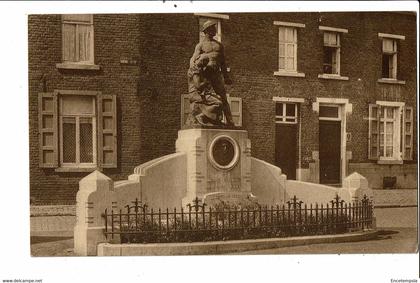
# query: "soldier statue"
207, 76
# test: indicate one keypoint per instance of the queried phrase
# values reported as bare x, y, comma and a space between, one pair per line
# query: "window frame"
93, 116
338, 32
282, 119
396, 41
294, 27
50, 134
398, 130
82, 65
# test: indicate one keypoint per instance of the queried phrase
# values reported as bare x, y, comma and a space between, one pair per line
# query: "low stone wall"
163, 181
315, 193
406, 174
223, 247
267, 182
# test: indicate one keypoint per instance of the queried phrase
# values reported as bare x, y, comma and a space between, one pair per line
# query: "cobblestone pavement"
393, 240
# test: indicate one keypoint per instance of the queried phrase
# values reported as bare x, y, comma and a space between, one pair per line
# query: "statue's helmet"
208, 24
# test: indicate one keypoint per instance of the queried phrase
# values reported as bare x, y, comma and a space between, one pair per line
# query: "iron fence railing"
139, 224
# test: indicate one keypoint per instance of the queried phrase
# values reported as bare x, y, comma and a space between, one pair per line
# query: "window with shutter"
47, 116
390, 132
78, 130
107, 131
77, 34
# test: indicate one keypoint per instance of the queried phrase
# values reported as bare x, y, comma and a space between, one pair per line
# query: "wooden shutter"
185, 108
48, 121
107, 131
407, 133
373, 148
235, 104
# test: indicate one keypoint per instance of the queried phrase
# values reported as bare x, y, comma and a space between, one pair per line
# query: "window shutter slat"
48, 124
407, 133
373, 147
107, 131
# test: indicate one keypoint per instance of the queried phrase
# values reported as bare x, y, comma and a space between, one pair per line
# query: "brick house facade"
350, 76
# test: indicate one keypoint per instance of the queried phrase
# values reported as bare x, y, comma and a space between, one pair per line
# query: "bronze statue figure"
207, 76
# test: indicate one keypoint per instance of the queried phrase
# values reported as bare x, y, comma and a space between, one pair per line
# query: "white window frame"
77, 117
393, 62
338, 33
84, 65
395, 38
281, 119
294, 27
398, 110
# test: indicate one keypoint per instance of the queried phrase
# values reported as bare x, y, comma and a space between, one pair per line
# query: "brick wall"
149, 92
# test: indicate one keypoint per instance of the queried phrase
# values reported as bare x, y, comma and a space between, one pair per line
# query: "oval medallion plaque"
224, 152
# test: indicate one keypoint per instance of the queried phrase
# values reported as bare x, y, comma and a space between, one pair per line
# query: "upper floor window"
78, 38
389, 58
77, 42
331, 65
390, 45
288, 45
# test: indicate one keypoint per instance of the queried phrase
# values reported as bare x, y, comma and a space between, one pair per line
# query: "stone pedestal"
218, 165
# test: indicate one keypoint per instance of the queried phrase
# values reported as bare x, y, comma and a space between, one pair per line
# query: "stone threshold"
225, 247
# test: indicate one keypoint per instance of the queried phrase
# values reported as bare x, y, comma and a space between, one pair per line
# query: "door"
329, 152
286, 145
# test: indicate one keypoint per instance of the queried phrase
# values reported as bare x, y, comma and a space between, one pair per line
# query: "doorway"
286, 140
329, 152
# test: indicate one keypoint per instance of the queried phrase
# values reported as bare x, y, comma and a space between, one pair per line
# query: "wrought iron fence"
139, 224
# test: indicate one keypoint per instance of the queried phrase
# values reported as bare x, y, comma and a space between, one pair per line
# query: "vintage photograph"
222, 133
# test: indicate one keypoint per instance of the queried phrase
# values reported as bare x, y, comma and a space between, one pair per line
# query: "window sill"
75, 169
390, 162
75, 66
391, 81
289, 74
333, 77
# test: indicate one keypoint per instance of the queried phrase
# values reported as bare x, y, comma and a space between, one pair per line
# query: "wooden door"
286, 146
329, 152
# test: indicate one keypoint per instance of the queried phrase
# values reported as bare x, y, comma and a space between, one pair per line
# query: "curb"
223, 247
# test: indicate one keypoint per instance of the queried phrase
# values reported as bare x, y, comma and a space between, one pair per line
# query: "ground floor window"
390, 131
77, 130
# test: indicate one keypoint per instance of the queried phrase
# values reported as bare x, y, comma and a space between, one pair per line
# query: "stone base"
218, 161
